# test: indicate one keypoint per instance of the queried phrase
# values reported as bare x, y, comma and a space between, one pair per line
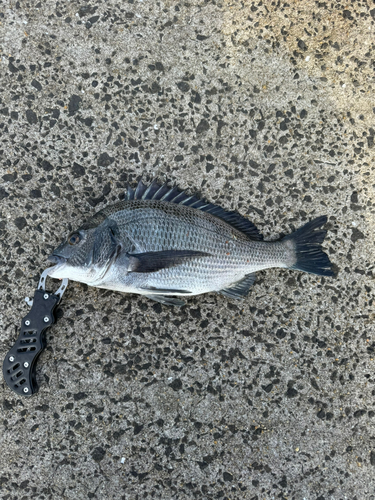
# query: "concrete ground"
263, 107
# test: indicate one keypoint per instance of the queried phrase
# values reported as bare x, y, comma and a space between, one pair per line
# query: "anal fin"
166, 300
239, 289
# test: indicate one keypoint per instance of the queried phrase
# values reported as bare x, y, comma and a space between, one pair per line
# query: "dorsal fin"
156, 191
139, 192
129, 195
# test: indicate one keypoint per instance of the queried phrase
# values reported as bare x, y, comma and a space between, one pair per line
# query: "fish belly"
200, 274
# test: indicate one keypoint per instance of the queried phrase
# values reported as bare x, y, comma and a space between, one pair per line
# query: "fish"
166, 244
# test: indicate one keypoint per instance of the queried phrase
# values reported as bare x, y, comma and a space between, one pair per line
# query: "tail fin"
309, 253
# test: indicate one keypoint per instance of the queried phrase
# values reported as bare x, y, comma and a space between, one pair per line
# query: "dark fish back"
158, 225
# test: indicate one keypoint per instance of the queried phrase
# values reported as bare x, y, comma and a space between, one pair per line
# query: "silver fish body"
162, 243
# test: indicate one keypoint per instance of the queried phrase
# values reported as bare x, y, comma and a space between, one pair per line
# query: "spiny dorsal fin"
140, 190
156, 191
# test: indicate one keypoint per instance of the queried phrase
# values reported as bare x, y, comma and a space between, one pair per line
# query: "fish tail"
309, 255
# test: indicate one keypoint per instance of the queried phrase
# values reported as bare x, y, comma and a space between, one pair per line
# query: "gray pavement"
263, 107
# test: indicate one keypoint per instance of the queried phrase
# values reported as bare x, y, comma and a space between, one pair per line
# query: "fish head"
73, 257
86, 254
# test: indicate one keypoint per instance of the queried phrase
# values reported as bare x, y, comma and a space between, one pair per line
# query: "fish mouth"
56, 259
57, 270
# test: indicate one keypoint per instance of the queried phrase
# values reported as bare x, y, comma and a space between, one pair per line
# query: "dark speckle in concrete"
261, 107
31, 116
20, 222
36, 84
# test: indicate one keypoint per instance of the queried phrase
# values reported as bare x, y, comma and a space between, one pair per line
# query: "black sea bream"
164, 244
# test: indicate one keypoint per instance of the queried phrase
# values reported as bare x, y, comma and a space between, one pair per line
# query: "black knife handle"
19, 367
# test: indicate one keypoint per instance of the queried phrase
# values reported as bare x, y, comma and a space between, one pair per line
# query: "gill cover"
106, 248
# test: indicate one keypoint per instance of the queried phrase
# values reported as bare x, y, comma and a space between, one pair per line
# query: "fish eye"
73, 239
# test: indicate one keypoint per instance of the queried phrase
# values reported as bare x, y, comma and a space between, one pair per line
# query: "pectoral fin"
150, 262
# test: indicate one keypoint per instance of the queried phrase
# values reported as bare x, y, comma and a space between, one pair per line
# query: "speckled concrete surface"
264, 107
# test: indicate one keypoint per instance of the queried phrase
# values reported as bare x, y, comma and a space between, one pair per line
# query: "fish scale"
161, 242
186, 228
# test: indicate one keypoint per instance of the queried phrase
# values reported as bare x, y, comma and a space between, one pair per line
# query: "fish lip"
56, 259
